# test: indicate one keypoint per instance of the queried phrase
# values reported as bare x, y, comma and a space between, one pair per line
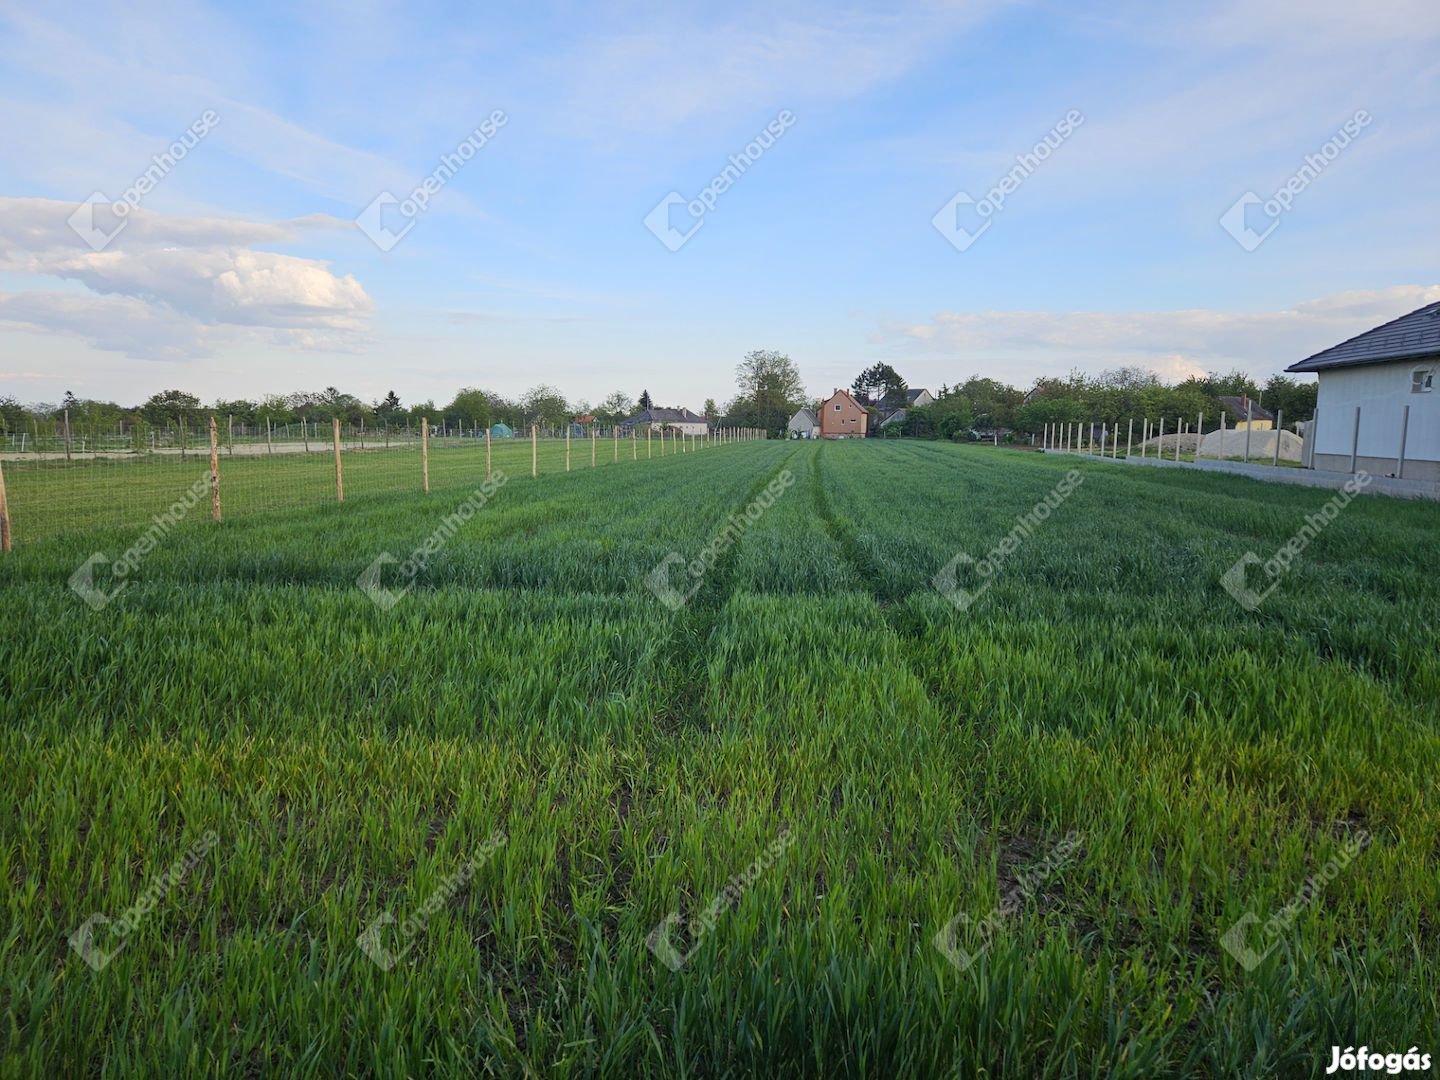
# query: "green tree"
169, 407
471, 407
645, 402
545, 405
770, 389
880, 385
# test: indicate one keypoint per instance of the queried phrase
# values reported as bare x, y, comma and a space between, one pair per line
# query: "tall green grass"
636, 759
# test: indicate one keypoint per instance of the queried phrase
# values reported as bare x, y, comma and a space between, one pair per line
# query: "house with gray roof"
682, 420
1377, 408
803, 425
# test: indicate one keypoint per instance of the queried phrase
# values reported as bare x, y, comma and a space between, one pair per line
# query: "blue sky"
243, 271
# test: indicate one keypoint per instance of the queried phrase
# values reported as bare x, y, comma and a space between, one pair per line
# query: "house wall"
848, 420
1381, 391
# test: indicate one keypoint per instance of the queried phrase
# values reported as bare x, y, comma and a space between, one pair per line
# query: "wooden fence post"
339, 472
567, 447
534, 454
592, 446
634, 446
67, 434
304, 434
214, 471
425, 453
269, 436
1355, 440
6, 541
230, 434
1129, 437
649, 432
487, 453
1160, 454
1399, 459
1249, 415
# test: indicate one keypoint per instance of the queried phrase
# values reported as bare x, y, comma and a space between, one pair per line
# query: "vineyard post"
362, 432
305, 433
615, 438
182, 437
1355, 440
534, 454
425, 453
1249, 413
1104, 434
387, 434
1280, 426
67, 434
649, 453
1161, 452
1129, 437
230, 434
1115, 441
567, 447
487, 453
592, 446
634, 446
339, 474
269, 435
5, 539
1199, 434
1179, 429
214, 470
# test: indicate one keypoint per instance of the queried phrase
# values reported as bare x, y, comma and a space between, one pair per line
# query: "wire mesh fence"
54, 481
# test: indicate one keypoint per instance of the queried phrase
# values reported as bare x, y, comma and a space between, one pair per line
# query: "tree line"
769, 391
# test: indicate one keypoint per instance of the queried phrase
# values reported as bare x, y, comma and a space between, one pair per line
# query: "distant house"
918, 399
682, 420
1377, 393
803, 425
842, 417
896, 417
1240, 407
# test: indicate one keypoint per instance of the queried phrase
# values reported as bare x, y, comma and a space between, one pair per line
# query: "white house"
1379, 400
682, 420
918, 399
803, 425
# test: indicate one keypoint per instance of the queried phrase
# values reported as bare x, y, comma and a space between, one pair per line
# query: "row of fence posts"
680, 443
1071, 437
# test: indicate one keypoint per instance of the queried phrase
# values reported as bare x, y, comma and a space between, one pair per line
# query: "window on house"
837, 406
1422, 380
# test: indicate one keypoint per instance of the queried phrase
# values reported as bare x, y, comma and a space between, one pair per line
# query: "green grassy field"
816, 820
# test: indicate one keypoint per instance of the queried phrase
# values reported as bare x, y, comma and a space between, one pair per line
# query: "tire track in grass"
684, 654
906, 624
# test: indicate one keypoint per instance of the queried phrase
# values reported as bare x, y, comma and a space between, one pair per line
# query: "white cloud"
170, 286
